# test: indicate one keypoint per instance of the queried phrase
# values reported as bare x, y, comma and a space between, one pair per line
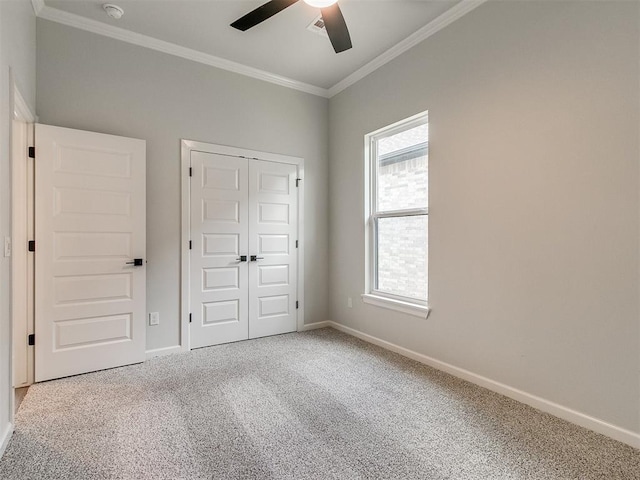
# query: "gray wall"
534, 114
18, 53
90, 82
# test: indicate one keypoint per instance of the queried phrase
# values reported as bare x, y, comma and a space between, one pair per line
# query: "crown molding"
434, 26
73, 20
37, 5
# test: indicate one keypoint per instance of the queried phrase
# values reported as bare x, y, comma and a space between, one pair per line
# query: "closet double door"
243, 257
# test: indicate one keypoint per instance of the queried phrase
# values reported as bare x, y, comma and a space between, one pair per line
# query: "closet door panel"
273, 226
219, 236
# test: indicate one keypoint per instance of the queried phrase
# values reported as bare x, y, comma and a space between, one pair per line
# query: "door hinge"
297, 304
32, 245
296, 243
190, 172
32, 152
189, 318
298, 180
190, 244
31, 339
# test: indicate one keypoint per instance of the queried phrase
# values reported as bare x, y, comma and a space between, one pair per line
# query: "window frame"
372, 295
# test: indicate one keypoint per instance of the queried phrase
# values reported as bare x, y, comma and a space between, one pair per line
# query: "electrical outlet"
349, 302
7, 246
154, 318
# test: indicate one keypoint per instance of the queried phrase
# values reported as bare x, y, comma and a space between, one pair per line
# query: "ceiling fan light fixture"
320, 3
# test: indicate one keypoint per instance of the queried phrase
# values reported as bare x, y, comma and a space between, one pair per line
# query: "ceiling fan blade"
261, 13
336, 28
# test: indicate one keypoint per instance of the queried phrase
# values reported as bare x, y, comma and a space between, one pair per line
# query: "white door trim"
187, 146
22, 137
21, 110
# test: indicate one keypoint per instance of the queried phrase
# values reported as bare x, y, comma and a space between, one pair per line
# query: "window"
397, 160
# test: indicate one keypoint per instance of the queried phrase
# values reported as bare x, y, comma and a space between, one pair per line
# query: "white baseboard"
565, 413
160, 352
313, 326
6, 436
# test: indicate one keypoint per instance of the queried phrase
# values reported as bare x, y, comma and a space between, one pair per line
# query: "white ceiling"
282, 45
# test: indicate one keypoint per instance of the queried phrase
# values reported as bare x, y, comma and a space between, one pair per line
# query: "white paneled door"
219, 245
90, 242
273, 228
243, 261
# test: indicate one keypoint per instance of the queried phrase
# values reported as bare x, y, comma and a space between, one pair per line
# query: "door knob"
255, 258
137, 262
242, 258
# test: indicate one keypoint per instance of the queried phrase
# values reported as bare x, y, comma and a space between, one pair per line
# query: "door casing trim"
188, 146
22, 218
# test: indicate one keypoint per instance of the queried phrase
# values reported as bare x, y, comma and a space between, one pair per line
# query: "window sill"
397, 305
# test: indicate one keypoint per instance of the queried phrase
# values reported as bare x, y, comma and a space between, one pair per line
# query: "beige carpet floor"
314, 405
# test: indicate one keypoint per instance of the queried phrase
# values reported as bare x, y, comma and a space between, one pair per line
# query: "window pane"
402, 170
402, 256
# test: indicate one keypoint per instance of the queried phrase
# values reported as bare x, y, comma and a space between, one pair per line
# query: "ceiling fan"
331, 16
